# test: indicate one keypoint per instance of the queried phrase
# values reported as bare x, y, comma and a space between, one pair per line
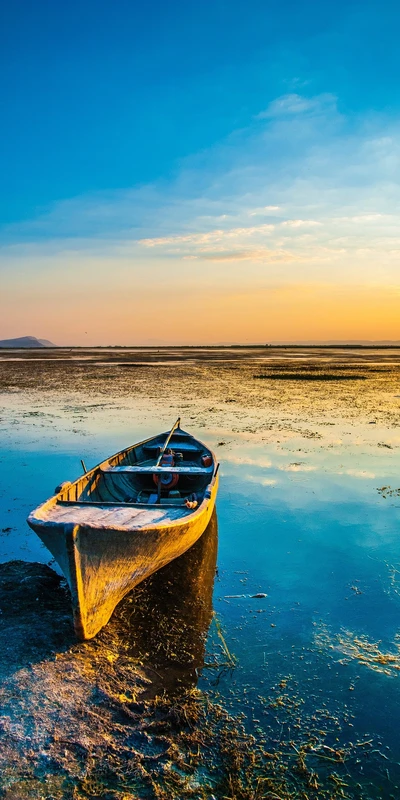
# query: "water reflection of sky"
299, 519
309, 529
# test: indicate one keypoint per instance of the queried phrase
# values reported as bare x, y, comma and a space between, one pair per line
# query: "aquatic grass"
359, 648
231, 659
308, 376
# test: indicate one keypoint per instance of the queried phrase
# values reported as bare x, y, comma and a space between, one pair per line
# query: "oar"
162, 451
166, 443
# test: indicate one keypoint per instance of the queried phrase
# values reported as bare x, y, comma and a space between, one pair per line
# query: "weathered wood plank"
149, 470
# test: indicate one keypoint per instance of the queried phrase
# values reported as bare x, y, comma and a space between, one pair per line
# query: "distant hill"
26, 341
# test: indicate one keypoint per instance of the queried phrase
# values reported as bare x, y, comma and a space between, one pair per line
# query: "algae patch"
357, 647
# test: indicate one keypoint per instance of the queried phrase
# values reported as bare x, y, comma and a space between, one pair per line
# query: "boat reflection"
169, 614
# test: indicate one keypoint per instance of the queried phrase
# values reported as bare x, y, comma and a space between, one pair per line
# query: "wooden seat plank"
151, 470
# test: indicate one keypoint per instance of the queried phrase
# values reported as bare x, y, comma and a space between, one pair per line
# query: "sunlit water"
300, 521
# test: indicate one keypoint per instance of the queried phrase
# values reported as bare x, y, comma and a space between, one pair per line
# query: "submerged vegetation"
359, 648
104, 719
387, 491
306, 376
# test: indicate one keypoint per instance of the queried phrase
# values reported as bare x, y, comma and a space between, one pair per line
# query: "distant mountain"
26, 341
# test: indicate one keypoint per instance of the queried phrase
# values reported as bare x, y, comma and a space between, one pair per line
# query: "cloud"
295, 104
211, 236
260, 461
358, 473
255, 212
325, 186
260, 481
303, 198
300, 223
255, 255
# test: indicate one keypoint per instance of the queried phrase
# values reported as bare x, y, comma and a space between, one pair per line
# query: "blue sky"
220, 148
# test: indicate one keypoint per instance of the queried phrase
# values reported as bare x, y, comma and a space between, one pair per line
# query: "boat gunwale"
38, 522
118, 505
55, 499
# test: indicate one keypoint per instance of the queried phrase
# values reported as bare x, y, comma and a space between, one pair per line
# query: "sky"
189, 173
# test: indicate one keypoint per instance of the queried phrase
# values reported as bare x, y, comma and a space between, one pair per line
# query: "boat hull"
102, 565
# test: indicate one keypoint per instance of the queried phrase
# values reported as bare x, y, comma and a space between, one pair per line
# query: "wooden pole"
162, 451
166, 443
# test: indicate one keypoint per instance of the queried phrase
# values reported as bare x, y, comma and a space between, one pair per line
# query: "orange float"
167, 479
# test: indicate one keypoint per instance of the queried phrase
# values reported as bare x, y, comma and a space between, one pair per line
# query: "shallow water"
318, 539
300, 520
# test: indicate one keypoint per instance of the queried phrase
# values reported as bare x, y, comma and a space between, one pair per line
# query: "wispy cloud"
211, 236
295, 104
358, 473
302, 197
258, 461
260, 481
257, 255
324, 186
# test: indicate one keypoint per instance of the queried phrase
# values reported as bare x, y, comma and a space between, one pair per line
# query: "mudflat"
261, 381
255, 691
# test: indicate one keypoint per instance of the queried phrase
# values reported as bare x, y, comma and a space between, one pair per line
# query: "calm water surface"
300, 521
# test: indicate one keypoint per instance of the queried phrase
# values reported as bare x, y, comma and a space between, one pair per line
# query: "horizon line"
230, 345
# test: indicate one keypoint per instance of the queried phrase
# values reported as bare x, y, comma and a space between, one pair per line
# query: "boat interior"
134, 476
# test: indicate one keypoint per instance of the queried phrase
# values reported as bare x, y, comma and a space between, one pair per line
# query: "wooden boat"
125, 519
